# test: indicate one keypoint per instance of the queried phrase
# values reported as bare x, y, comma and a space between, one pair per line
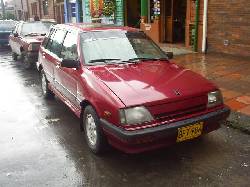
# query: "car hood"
33, 39
151, 82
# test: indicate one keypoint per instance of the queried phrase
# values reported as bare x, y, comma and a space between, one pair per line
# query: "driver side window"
69, 48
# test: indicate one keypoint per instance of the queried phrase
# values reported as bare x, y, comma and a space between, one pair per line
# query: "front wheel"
93, 133
47, 93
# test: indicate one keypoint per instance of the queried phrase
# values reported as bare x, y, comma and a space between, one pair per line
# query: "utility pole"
3, 9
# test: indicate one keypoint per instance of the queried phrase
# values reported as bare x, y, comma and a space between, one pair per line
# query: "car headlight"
135, 115
214, 98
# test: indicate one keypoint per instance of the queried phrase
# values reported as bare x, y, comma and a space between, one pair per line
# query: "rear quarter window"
47, 38
55, 42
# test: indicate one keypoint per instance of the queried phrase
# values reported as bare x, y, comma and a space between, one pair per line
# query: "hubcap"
44, 84
91, 129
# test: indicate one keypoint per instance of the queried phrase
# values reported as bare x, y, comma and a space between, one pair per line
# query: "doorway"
173, 21
133, 13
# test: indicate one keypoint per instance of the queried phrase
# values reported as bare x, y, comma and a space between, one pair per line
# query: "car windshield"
7, 25
117, 46
35, 28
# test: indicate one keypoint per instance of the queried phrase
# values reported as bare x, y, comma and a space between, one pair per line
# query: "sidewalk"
232, 76
177, 49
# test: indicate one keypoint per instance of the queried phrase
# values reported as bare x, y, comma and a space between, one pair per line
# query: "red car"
125, 90
26, 40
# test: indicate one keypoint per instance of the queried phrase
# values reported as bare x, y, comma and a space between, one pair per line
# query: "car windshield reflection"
123, 46
35, 28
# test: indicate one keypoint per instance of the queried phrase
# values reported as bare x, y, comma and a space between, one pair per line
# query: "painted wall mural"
103, 11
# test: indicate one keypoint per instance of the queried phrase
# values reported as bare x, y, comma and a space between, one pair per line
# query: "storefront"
119, 12
165, 21
173, 21
94, 11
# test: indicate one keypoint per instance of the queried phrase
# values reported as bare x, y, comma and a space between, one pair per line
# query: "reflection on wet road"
41, 145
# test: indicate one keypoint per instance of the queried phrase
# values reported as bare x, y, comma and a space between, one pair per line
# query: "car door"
67, 77
51, 56
44, 56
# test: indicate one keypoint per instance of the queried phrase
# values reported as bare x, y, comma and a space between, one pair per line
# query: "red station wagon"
26, 40
125, 90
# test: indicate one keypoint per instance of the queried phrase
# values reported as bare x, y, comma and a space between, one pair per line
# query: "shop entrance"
133, 13
173, 20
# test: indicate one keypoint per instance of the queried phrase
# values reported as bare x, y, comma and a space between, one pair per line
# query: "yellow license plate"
189, 132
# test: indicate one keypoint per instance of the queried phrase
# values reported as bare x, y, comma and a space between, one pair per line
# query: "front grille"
169, 116
179, 108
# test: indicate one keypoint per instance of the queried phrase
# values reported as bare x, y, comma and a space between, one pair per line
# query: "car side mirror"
170, 55
67, 63
15, 34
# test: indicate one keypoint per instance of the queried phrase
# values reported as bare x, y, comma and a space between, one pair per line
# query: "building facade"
229, 27
171, 21
202, 25
21, 9
43, 9
59, 11
89, 11
9, 10
174, 21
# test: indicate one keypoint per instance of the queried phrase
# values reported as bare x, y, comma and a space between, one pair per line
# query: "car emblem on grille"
177, 92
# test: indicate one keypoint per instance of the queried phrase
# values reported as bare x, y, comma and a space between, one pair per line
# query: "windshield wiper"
33, 34
146, 59
105, 60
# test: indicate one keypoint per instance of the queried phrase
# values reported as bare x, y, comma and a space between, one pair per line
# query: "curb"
239, 121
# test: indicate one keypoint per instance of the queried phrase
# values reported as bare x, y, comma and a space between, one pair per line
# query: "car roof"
94, 27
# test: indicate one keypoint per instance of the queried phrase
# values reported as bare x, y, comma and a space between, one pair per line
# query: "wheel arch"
83, 105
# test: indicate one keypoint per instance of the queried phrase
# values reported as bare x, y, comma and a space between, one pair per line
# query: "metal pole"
204, 40
3, 9
144, 10
196, 26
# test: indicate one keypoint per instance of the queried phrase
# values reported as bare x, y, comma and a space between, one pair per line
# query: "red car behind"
125, 90
26, 40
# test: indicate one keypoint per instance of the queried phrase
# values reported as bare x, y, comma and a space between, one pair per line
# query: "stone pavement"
231, 75
177, 49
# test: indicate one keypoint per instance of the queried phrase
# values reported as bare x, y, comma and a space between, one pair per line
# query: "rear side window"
55, 42
69, 48
47, 38
50, 39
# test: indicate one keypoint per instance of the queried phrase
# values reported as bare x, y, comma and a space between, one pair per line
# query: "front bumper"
151, 138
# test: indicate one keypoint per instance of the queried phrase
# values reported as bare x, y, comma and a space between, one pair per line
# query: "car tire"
47, 93
14, 56
93, 133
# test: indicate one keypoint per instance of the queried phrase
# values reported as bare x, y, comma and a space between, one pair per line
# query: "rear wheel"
14, 56
47, 93
93, 133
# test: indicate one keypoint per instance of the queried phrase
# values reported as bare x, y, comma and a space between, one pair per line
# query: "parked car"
125, 90
6, 27
26, 40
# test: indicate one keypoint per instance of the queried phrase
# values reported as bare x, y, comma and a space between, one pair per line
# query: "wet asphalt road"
41, 145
